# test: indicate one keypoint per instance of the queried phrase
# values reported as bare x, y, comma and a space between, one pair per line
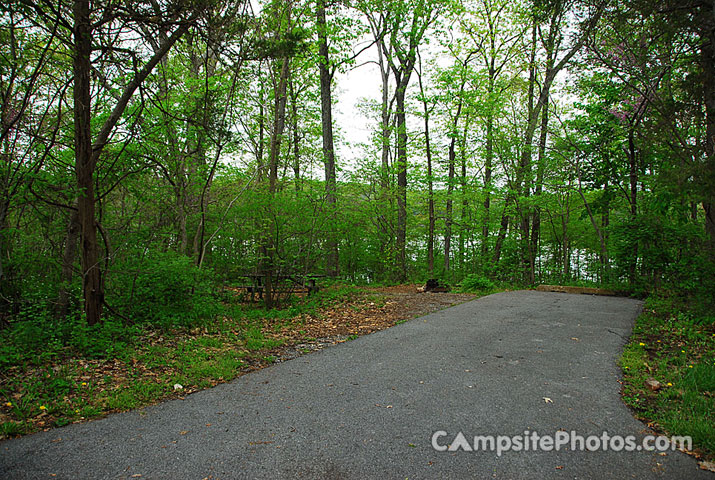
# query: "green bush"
475, 283
35, 336
166, 290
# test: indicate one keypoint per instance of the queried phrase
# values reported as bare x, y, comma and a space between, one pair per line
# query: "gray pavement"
504, 364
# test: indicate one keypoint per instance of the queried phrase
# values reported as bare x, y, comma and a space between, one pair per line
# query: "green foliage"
475, 283
36, 336
167, 290
196, 189
667, 254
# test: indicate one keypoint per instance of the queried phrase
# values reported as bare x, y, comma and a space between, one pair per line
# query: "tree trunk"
430, 186
503, 226
448, 214
524, 170
85, 164
268, 248
464, 229
452, 158
326, 108
489, 159
633, 179
549, 77
385, 130
538, 187
401, 165
261, 140
385, 215
296, 137
4, 207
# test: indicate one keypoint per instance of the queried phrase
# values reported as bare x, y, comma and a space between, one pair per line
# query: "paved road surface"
501, 365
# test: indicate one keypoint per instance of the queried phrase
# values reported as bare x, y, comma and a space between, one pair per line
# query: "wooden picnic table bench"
307, 282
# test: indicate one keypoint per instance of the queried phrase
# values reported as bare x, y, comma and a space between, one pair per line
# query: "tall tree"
87, 151
427, 109
407, 27
326, 108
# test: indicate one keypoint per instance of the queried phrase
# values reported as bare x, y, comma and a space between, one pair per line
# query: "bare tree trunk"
4, 249
489, 159
464, 227
87, 153
430, 185
385, 215
605, 221
503, 226
268, 248
181, 211
536, 222
401, 164
633, 178
567, 247
326, 108
452, 158
549, 77
3, 231
85, 164
386, 131
448, 214
296, 136
261, 140
524, 170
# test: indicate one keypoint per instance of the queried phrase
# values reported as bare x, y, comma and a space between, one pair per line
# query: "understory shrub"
475, 283
167, 290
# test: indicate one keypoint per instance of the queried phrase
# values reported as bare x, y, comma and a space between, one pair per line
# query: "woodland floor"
378, 309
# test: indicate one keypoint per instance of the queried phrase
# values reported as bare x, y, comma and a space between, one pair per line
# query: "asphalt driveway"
508, 364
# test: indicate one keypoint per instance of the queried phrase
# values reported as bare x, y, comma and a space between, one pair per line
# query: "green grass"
676, 348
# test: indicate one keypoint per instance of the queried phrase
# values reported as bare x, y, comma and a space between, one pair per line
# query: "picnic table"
296, 283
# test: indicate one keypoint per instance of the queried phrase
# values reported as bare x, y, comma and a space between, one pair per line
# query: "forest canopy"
153, 150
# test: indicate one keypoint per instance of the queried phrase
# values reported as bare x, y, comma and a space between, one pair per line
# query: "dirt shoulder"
376, 309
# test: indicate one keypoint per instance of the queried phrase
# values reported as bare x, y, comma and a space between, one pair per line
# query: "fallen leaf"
548, 400
710, 466
653, 384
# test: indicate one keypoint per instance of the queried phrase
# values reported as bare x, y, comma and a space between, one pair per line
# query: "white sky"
352, 88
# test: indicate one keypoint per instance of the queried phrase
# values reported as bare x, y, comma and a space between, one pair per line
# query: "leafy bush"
167, 290
36, 335
475, 283
670, 256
